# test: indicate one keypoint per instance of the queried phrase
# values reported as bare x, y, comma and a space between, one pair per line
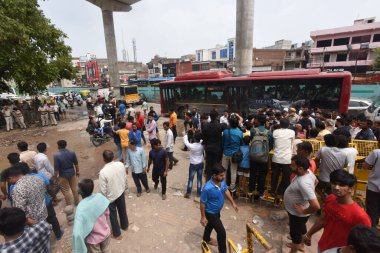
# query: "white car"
358, 105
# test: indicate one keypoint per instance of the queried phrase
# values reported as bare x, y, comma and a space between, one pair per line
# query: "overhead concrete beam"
114, 5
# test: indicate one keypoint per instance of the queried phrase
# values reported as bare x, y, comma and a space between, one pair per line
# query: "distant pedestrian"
44, 114
19, 117
173, 122
151, 127
6, 111
169, 145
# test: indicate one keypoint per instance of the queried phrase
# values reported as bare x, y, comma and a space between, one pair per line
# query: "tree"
32, 51
376, 64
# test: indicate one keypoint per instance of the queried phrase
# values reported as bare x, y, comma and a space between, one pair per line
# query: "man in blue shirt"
136, 161
66, 166
212, 201
122, 110
232, 139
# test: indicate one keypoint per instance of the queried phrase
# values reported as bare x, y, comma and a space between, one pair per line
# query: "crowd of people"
232, 152
46, 111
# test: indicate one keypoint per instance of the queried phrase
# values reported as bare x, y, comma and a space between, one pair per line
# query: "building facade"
297, 56
347, 48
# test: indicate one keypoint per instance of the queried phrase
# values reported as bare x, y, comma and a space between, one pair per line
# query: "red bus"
220, 90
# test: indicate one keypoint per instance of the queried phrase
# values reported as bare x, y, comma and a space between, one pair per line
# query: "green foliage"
376, 64
32, 51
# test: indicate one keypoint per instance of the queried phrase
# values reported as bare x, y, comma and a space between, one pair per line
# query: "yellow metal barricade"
205, 248
316, 144
251, 232
365, 147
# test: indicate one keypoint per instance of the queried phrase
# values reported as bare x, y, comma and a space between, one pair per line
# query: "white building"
222, 53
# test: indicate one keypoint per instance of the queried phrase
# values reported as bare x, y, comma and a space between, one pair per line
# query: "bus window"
188, 93
215, 95
324, 93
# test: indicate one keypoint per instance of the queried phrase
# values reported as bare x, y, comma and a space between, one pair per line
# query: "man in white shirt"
26, 155
42, 162
131, 111
169, 145
196, 163
224, 118
283, 144
112, 184
7, 116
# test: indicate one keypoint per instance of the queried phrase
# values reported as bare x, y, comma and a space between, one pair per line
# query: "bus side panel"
345, 94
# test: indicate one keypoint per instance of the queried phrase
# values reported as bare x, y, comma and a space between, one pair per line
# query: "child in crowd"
243, 170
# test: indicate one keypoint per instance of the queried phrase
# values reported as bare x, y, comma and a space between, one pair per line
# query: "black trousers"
143, 137
214, 222
212, 157
297, 227
118, 207
172, 159
159, 176
277, 170
174, 130
52, 219
372, 202
257, 175
137, 177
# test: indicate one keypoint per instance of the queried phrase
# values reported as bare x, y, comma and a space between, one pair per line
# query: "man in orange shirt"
173, 122
124, 137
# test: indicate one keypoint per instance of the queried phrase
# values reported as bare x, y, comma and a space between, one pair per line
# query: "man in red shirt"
340, 213
140, 123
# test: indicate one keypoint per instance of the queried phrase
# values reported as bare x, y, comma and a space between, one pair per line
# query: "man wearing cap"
293, 117
8, 118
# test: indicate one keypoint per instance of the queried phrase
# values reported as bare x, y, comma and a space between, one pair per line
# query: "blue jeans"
198, 168
119, 151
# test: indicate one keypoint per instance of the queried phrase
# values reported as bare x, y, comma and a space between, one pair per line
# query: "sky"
172, 28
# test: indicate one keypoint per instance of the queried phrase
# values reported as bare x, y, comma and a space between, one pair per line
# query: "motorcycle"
70, 100
98, 139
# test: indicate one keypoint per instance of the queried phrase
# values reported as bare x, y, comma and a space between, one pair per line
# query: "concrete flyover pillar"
109, 35
108, 7
244, 37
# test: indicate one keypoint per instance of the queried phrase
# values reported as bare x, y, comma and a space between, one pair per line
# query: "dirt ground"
169, 226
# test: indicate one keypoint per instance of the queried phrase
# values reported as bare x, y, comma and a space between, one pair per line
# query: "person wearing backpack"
232, 138
261, 143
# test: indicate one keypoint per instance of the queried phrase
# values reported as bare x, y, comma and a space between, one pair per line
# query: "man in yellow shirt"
173, 122
124, 138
